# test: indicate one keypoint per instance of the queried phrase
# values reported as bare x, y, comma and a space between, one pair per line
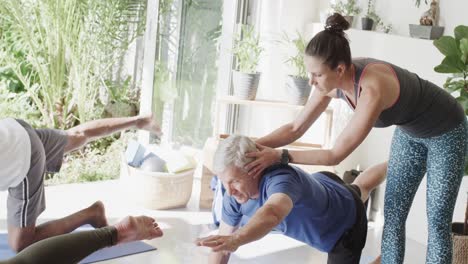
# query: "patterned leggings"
443, 157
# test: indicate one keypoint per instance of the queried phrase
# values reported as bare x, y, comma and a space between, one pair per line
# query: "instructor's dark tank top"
422, 109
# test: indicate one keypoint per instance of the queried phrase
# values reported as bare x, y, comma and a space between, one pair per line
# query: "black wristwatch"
284, 157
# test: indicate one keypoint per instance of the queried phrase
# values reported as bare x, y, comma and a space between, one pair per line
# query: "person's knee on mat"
20, 238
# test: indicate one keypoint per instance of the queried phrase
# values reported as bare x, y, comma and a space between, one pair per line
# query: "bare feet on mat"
137, 228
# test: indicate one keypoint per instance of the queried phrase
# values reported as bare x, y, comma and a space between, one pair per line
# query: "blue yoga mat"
5, 251
118, 251
100, 255
366, 259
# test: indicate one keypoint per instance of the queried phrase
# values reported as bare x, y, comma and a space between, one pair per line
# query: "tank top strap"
359, 68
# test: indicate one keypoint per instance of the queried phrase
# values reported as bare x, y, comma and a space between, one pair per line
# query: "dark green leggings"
67, 248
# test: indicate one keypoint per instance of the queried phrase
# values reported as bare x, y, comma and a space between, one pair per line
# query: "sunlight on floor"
183, 226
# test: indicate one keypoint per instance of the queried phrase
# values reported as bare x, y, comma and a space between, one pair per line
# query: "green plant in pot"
247, 53
297, 84
348, 9
370, 18
417, 3
455, 63
428, 27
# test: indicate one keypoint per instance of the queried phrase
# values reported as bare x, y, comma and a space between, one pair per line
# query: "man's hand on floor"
225, 244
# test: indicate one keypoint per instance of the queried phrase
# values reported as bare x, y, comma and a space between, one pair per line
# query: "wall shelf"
232, 100
258, 102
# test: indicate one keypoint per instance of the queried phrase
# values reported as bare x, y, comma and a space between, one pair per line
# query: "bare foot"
137, 228
98, 215
147, 122
377, 260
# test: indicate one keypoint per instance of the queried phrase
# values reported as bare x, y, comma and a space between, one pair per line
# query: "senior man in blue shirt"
318, 209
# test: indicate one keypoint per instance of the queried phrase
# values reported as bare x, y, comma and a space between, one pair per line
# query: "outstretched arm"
290, 132
86, 132
276, 208
367, 111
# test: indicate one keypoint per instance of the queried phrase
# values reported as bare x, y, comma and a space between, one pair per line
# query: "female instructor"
431, 135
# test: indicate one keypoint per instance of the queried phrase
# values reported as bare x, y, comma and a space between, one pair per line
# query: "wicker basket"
460, 240
460, 245
156, 190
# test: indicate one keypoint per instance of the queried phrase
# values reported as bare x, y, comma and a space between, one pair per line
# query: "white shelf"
276, 104
229, 99
258, 102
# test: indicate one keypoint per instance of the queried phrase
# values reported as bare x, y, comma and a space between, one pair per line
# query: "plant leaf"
417, 3
463, 102
464, 50
447, 45
461, 32
451, 64
453, 85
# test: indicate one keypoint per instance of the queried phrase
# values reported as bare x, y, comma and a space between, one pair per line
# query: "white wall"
275, 18
400, 13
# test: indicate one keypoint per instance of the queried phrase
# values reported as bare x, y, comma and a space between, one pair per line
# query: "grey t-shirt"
422, 110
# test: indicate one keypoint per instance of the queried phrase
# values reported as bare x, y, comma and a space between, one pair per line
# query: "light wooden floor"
182, 226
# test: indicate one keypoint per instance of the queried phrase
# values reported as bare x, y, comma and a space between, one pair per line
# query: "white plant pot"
245, 84
298, 90
425, 32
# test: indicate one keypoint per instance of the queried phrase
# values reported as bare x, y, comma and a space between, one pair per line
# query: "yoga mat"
118, 251
5, 251
366, 259
100, 255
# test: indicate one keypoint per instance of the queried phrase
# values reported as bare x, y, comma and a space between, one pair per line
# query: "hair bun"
336, 23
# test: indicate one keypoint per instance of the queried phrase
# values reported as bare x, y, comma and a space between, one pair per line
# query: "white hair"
231, 152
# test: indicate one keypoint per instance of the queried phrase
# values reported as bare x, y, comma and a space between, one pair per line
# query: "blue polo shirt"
322, 208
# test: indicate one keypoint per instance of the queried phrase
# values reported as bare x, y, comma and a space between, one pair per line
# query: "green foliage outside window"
62, 52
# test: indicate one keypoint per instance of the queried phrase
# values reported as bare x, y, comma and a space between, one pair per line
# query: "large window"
186, 68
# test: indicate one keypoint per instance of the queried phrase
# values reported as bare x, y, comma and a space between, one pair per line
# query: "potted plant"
381, 26
297, 84
347, 9
418, 2
428, 27
368, 20
247, 53
455, 63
